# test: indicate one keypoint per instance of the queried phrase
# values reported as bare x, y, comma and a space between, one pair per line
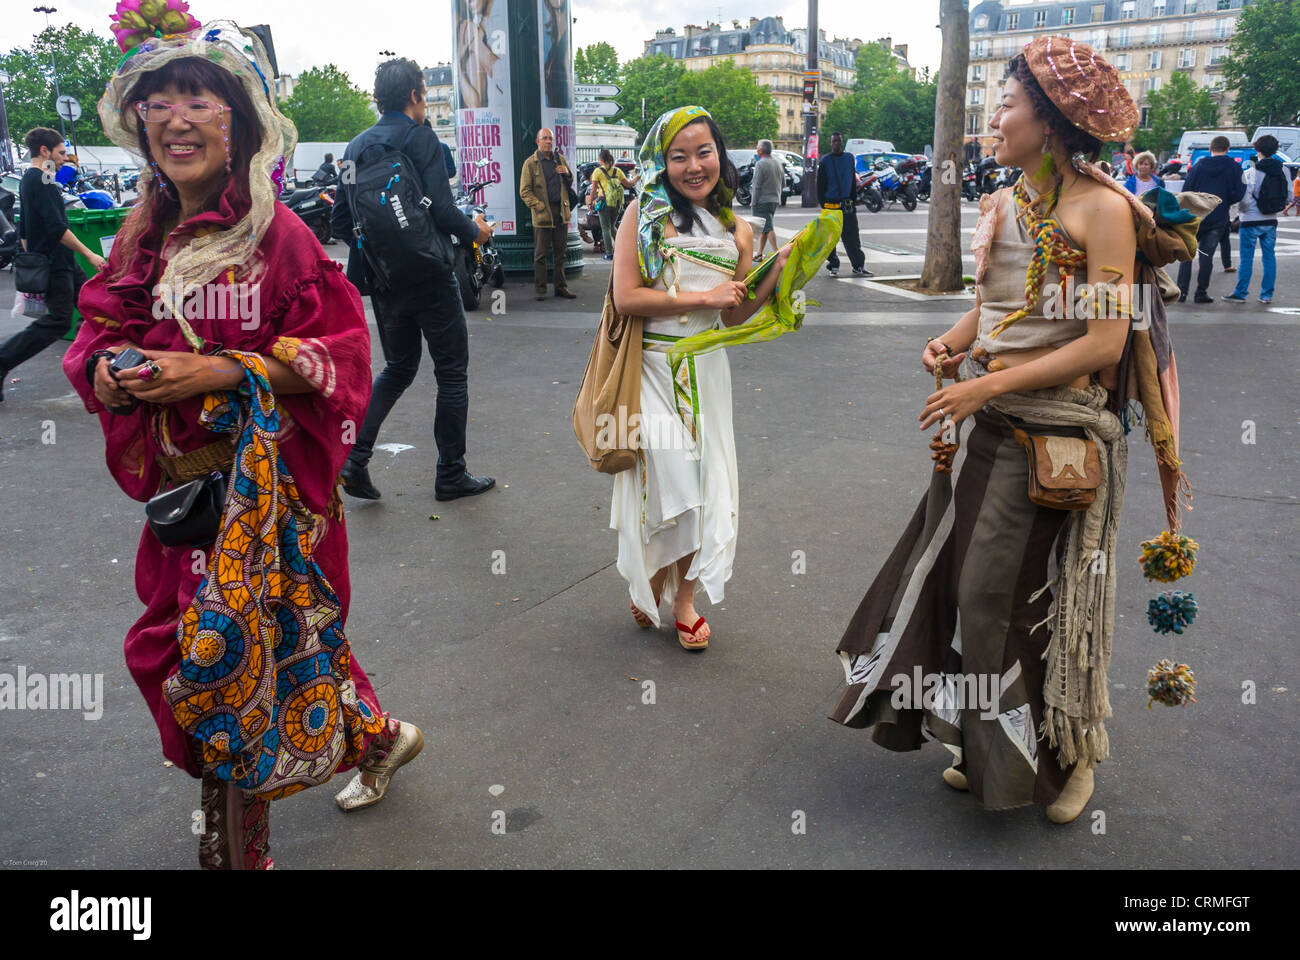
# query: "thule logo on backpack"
396, 202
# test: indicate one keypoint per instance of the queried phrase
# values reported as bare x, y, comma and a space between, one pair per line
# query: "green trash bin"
96, 229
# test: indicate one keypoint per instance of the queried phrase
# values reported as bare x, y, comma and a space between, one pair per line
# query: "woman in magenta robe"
210, 278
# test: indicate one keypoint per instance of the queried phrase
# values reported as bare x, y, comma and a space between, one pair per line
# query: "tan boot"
955, 779
1074, 797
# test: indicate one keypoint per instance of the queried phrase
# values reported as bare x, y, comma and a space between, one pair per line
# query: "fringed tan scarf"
1081, 619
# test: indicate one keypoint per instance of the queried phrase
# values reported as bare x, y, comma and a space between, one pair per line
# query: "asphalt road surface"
531, 685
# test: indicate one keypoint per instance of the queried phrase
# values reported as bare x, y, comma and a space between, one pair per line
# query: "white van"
857, 147
1288, 139
1192, 139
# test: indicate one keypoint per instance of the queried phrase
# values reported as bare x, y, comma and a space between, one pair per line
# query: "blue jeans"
1266, 236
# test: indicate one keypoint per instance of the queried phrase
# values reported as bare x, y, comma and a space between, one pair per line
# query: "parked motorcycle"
866, 191
8, 232
314, 206
970, 189
893, 186
481, 264
1174, 169
1007, 177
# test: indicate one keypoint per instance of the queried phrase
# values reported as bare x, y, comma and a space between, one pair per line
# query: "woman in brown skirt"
989, 626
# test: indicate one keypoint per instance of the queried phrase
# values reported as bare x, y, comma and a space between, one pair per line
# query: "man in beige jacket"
544, 185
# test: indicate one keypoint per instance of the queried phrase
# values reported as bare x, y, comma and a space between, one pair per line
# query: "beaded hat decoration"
153, 33
1083, 86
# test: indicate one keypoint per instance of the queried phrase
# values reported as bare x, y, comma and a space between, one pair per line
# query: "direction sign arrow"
595, 90
68, 108
596, 108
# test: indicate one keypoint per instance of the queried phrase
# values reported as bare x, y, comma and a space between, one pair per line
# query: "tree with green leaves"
1261, 69
85, 62
654, 78
904, 111
1175, 107
744, 111
597, 63
327, 106
851, 114
873, 65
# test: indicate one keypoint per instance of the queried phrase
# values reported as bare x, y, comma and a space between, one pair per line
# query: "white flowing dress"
682, 497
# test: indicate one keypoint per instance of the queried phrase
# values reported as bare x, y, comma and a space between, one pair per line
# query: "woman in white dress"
680, 258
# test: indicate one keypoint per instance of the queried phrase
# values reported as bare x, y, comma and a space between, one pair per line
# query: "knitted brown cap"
1083, 86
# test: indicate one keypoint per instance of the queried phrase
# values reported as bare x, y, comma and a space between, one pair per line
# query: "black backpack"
1272, 196
391, 223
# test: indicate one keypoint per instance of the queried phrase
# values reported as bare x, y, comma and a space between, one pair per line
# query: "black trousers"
1207, 244
438, 317
1225, 247
61, 299
554, 239
849, 237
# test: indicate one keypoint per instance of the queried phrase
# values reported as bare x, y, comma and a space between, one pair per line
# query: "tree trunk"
942, 270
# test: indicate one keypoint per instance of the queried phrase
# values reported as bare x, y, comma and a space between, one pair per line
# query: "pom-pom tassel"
1168, 557
1172, 684
1171, 612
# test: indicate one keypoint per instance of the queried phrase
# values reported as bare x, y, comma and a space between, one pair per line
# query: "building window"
1189, 30
1158, 8
1121, 61
1187, 57
974, 123
1067, 16
1154, 59
1145, 118
1124, 37
1013, 21
1224, 5
1127, 9
1156, 33
1222, 28
976, 96
1097, 40
982, 21
1098, 12
1040, 18
980, 49
1189, 6
1218, 55
977, 73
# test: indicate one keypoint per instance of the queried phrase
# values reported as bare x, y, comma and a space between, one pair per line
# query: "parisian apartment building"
437, 94
778, 57
1147, 41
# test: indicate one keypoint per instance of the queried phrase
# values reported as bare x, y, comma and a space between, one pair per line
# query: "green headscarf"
655, 205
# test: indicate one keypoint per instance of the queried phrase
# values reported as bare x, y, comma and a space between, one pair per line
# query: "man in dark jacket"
44, 229
428, 305
836, 179
1220, 175
326, 172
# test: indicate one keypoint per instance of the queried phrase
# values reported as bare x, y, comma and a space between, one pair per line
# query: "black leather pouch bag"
190, 514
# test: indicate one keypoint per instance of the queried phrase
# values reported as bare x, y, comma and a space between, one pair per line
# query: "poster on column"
482, 101
556, 59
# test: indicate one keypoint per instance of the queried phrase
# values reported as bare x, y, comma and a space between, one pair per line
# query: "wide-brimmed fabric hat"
1083, 86
156, 32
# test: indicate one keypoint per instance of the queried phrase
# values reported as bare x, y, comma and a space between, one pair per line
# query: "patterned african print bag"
265, 680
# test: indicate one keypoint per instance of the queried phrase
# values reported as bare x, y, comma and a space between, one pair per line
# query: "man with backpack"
396, 206
1220, 175
1264, 199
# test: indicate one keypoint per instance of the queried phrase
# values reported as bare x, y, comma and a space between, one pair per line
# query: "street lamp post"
54, 67
809, 196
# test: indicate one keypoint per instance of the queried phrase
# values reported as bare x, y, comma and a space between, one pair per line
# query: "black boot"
356, 482
466, 486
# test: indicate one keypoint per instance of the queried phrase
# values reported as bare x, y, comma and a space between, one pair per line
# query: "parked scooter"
482, 264
893, 186
314, 206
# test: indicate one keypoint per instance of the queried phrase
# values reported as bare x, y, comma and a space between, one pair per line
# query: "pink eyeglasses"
191, 111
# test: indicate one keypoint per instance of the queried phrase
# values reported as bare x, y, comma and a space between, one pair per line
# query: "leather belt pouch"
189, 514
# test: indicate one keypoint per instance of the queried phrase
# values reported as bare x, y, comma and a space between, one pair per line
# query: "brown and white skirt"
942, 646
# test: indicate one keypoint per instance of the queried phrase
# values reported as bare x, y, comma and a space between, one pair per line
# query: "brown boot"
955, 779
1074, 796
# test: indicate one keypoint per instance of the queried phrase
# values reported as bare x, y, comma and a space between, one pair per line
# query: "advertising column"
484, 129
556, 64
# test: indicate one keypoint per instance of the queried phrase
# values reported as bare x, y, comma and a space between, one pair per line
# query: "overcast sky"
345, 33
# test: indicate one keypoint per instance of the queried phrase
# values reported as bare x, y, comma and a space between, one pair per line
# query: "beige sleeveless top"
1002, 250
